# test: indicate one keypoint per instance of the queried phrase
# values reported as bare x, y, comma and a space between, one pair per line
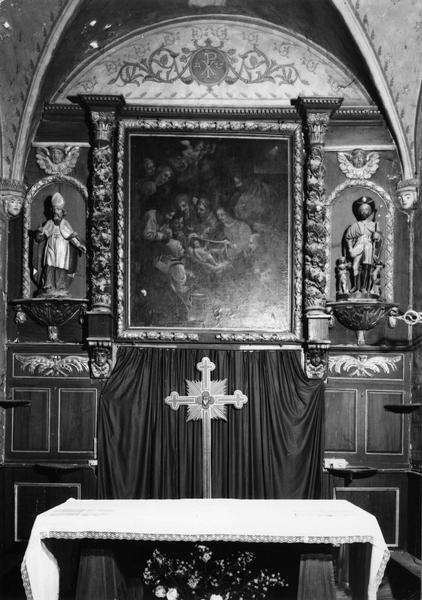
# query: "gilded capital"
317, 124
104, 124
12, 194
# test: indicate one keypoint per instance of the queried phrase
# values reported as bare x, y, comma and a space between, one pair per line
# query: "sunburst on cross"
206, 400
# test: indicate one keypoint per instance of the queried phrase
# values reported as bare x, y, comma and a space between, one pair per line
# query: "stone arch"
363, 42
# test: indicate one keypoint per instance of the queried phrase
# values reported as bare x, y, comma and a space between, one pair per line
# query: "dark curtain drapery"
271, 448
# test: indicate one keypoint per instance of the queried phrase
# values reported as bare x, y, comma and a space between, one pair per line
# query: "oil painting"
208, 232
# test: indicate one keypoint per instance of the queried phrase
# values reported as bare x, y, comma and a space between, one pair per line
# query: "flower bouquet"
204, 577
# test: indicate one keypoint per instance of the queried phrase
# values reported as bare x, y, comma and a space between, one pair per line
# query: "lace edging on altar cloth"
113, 535
25, 581
381, 568
208, 537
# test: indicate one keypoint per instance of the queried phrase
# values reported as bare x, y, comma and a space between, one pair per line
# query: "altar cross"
206, 400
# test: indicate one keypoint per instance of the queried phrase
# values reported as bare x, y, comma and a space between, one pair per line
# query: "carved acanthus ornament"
104, 124
102, 210
316, 242
12, 195
52, 365
316, 113
363, 365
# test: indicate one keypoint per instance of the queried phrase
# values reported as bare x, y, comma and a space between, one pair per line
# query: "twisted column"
316, 113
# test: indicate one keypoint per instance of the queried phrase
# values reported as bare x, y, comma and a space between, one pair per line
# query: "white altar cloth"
283, 521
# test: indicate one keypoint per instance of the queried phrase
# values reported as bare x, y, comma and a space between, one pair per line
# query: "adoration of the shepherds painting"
209, 232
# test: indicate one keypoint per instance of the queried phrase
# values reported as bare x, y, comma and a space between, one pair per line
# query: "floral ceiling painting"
220, 59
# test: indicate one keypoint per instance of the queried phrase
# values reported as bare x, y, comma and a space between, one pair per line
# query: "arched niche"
340, 216
36, 208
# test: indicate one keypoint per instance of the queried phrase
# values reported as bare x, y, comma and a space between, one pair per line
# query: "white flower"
206, 556
216, 597
172, 594
160, 591
193, 582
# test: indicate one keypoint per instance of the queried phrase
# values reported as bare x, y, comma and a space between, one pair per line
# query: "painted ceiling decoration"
42, 42
21, 55
209, 60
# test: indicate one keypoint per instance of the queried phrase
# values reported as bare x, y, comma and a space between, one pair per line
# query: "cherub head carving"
358, 164
59, 160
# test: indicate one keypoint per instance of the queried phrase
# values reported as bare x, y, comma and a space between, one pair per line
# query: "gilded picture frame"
209, 230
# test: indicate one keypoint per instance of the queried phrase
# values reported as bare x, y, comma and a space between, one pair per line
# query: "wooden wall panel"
340, 420
77, 420
382, 502
384, 430
31, 424
31, 499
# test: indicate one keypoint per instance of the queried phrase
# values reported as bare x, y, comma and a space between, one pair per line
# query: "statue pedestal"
51, 312
360, 314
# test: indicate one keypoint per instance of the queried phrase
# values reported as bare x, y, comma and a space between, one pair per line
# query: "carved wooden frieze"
381, 366
50, 365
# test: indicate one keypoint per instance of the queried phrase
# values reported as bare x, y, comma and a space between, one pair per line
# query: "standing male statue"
61, 244
362, 244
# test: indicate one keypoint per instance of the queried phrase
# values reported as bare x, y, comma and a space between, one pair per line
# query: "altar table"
281, 521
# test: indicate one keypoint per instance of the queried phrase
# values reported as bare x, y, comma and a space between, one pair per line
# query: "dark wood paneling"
414, 514
31, 499
384, 430
382, 502
340, 420
13, 475
77, 420
31, 424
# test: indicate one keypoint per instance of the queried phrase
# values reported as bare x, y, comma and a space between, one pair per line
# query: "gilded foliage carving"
53, 365
316, 255
364, 365
102, 211
217, 125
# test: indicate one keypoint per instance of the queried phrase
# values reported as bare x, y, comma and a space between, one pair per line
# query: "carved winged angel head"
358, 164
57, 160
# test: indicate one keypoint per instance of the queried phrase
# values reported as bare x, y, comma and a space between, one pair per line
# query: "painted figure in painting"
362, 246
59, 253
